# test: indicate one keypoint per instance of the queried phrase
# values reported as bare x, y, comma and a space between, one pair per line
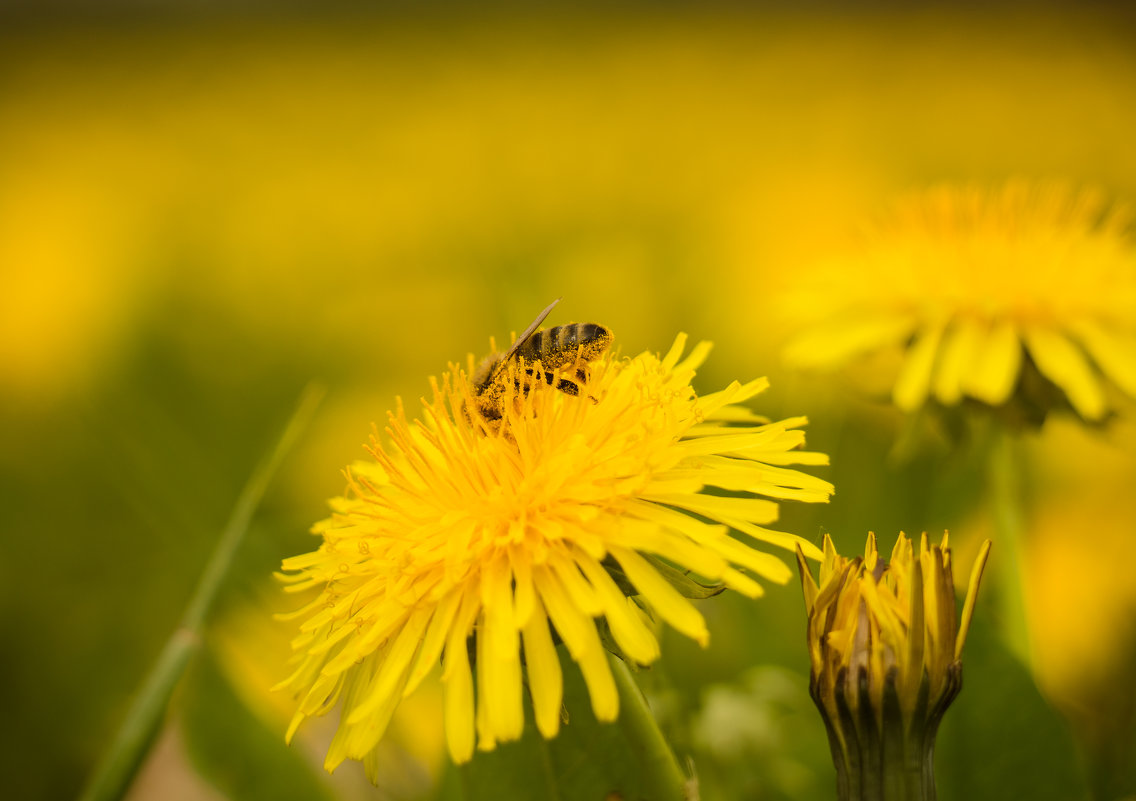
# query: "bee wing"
528, 332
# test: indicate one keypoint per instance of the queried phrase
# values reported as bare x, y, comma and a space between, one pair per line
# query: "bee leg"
568, 387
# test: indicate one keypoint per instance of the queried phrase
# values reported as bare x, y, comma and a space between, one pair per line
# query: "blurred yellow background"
200, 211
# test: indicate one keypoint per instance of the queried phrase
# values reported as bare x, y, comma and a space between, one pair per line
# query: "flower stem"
115, 771
1007, 508
665, 780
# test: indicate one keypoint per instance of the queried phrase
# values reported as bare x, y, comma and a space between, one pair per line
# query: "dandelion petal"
1063, 364
995, 368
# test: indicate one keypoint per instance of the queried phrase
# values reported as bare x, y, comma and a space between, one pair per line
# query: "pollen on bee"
557, 357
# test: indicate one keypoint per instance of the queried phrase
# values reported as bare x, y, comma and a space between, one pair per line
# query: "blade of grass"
115, 771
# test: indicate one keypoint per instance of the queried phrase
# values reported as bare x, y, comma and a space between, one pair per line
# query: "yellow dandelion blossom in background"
980, 290
467, 543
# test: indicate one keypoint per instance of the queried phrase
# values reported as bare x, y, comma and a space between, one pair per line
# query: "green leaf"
588, 760
679, 579
236, 752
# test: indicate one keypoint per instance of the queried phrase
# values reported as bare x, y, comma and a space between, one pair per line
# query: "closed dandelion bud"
885, 648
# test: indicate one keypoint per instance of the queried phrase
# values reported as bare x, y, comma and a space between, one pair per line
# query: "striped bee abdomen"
563, 353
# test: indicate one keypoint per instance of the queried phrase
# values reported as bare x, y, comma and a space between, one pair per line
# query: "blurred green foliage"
241, 756
198, 215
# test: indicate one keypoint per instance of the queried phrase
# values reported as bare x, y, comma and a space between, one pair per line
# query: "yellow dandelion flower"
885, 651
469, 543
1029, 290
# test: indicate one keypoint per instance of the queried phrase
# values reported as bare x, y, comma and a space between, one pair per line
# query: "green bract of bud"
885, 647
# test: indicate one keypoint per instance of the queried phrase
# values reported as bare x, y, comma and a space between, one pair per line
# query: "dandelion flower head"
980, 291
480, 545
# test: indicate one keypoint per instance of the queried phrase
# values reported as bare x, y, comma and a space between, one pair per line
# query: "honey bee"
563, 352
